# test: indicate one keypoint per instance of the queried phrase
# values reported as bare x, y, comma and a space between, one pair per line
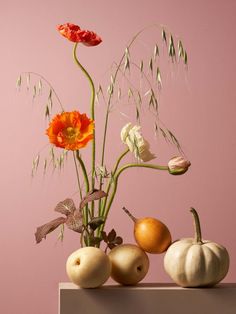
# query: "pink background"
198, 106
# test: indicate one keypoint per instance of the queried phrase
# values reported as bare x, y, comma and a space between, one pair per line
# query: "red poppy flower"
74, 33
70, 130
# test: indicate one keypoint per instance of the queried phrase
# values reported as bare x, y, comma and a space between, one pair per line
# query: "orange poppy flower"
76, 34
70, 130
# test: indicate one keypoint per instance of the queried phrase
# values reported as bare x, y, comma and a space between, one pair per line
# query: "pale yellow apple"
130, 264
88, 267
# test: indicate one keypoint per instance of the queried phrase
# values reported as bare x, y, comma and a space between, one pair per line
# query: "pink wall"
200, 109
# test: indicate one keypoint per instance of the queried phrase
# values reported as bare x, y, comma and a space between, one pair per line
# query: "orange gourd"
151, 234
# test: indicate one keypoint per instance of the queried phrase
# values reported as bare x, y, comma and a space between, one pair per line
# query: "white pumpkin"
195, 262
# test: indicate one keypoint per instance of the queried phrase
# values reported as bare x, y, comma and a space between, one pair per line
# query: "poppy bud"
178, 165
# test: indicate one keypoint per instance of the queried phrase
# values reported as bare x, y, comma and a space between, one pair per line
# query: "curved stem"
86, 211
92, 112
197, 226
86, 180
101, 212
134, 165
77, 174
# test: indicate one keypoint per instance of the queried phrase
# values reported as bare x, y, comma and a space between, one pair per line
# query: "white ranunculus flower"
132, 137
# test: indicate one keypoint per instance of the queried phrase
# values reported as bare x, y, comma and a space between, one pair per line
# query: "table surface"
148, 298
145, 286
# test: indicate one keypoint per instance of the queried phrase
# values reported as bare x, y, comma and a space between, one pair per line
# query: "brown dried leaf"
75, 221
66, 207
92, 196
43, 230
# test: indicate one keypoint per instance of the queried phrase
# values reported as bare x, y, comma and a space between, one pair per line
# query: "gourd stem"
197, 226
129, 214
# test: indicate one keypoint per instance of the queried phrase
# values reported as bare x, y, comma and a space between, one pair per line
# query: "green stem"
197, 226
92, 101
86, 180
115, 182
101, 212
86, 210
77, 174
102, 205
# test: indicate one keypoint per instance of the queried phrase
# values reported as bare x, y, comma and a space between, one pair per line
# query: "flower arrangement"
74, 131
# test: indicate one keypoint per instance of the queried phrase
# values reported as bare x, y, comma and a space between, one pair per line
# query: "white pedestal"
147, 299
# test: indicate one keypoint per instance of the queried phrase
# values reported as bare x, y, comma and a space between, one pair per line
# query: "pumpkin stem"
197, 226
129, 214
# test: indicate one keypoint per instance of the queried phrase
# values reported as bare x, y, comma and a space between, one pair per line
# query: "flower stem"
86, 211
115, 182
197, 226
92, 101
77, 174
86, 180
101, 212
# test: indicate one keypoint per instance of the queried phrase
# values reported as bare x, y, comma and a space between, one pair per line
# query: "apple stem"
129, 214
